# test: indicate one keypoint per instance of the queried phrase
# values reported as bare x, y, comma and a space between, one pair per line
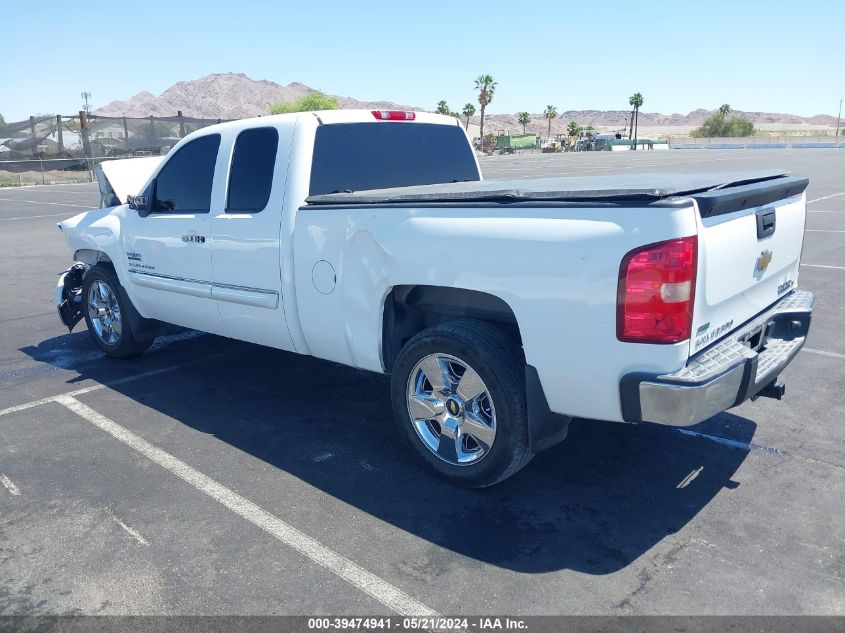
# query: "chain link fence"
64, 149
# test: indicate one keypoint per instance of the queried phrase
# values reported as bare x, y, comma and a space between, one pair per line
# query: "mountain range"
235, 96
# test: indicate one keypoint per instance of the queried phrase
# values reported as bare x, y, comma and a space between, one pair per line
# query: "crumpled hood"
125, 177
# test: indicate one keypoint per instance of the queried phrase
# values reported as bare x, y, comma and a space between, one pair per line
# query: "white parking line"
55, 204
369, 583
9, 485
823, 266
131, 532
822, 352
90, 185
31, 217
744, 446
833, 195
576, 169
113, 383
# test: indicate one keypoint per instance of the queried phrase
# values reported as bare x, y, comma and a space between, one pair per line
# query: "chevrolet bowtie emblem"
763, 261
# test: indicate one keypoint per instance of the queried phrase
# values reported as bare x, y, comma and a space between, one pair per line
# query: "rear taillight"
657, 291
394, 115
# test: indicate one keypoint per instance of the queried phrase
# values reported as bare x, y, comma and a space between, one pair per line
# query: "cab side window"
184, 183
251, 176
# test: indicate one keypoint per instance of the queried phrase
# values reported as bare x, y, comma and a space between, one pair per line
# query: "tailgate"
749, 242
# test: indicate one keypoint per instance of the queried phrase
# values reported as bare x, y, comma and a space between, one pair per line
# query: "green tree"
573, 129
524, 119
550, 113
486, 88
719, 126
740, 126
635, 100
311, 102
469, 110
2, 122
724, 109
442, 108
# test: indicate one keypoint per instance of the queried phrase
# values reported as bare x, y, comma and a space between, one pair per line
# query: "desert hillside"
223, 96
234, 96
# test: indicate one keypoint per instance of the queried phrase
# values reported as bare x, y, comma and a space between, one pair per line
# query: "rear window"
359, 156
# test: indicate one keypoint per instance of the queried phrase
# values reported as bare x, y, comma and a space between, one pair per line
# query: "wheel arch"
409, 309
91, 257
141, 327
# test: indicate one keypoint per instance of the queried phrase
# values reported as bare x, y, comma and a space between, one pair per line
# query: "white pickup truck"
501, 309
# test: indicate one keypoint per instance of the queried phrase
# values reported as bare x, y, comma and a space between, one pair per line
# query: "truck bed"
714, 192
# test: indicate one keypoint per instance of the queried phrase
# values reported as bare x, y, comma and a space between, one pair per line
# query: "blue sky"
756, 55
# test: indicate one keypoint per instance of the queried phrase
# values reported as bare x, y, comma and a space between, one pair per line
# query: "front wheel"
106, 314
458, 392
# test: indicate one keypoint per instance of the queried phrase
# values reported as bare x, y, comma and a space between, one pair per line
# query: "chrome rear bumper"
726, 374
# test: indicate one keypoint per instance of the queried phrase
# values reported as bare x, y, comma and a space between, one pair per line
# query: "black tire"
126, 344
500, 364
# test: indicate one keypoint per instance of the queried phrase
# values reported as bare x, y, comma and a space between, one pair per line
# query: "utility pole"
86, 143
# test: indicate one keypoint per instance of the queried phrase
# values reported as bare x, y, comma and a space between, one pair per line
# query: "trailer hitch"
774, 390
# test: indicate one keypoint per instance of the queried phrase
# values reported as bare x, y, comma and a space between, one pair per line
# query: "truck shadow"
593, 504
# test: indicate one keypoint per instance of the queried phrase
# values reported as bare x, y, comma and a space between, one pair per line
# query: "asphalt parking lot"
211, 476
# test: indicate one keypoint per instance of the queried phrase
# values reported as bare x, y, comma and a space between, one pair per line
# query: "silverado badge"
763, 261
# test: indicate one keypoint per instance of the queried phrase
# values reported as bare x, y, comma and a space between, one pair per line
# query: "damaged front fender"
69, 295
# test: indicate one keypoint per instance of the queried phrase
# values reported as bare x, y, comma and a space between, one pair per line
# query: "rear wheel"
458, 392
106, 314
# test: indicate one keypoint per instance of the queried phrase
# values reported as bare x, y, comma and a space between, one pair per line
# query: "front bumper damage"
69, 295
744, 365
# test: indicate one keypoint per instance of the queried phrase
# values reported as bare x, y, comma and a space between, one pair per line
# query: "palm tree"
573, 129
442, 108
469, 110
636, 100
549, 114
724, 109
524, 118
486, 87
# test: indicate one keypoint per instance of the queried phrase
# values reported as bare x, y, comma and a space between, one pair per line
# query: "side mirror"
142, 203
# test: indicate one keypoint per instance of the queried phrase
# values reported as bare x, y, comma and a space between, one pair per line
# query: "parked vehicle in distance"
501, 309
509, 143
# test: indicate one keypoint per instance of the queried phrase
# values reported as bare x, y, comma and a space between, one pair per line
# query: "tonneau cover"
646, 187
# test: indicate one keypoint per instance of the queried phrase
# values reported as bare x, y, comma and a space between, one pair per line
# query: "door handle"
194, 238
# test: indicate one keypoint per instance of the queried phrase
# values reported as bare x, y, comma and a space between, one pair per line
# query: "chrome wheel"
104, 312
451, 409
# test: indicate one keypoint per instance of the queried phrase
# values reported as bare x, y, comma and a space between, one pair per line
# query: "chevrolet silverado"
501, 309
